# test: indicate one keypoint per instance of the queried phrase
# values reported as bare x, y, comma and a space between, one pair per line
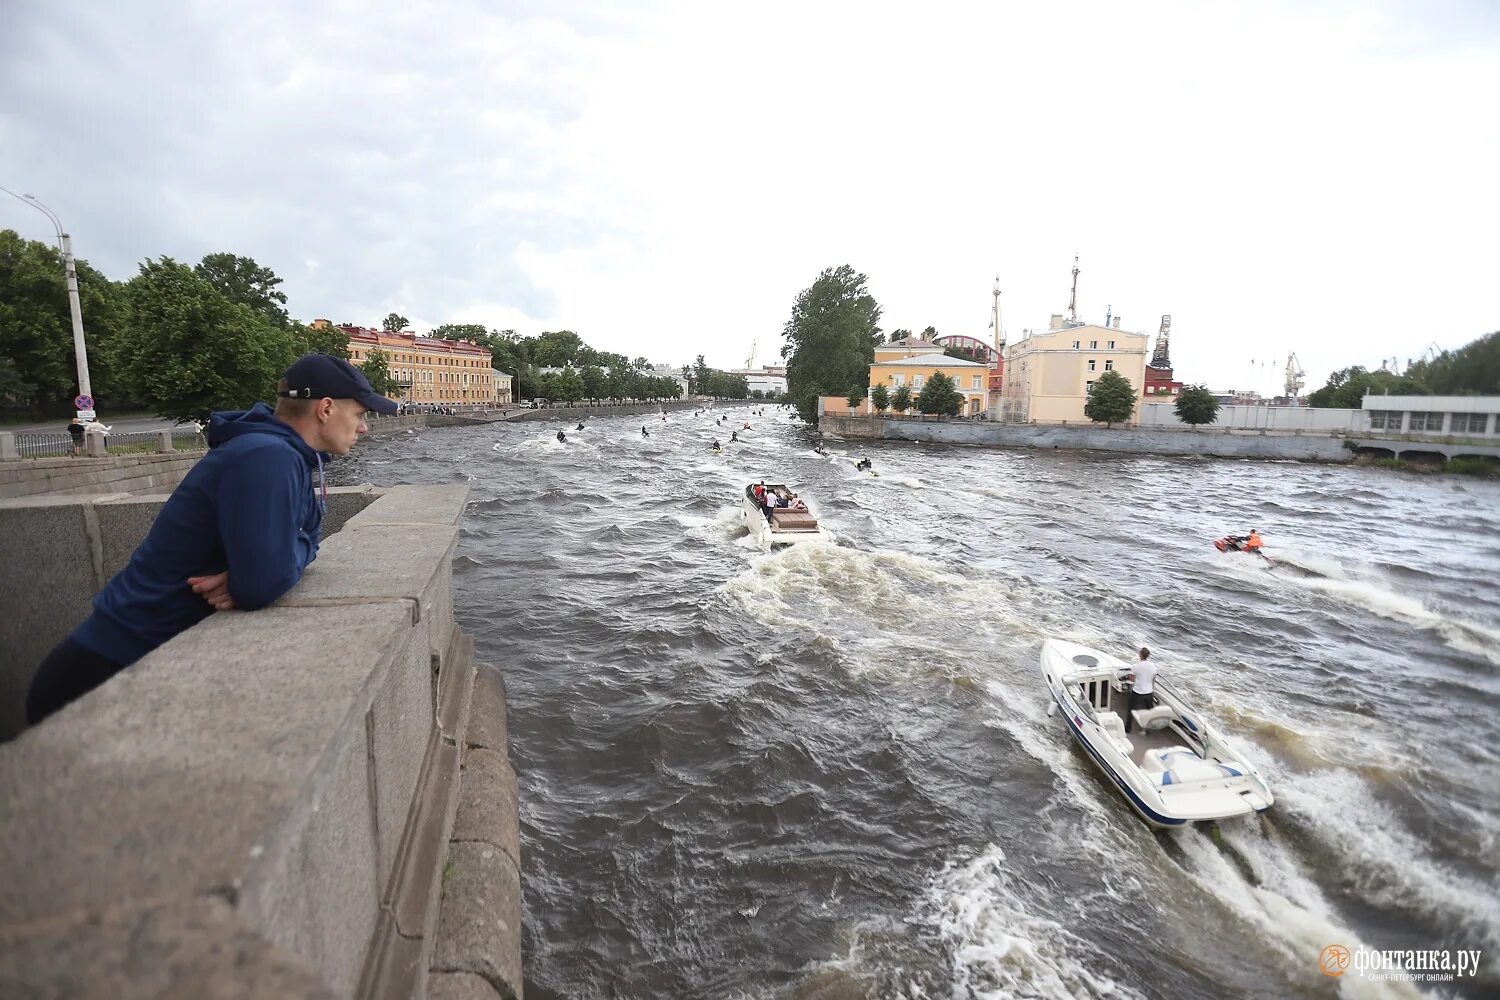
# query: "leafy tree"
1196, 405
830, 338
700, 375
880, 396
568, 385
1473, 369
940, 397
1347, 387
929, 334
463, 331
328, 340
15, 392
1111, 400
595, 382
395, 323
856, 396
556, 349
640, 364
901, 401
377, 369
36, 324
756, 394
188, 350
900, 334
241, 279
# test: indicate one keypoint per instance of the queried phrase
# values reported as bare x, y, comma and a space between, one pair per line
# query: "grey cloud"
366, 138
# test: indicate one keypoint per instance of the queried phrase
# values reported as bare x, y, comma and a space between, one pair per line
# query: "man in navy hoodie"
236, 533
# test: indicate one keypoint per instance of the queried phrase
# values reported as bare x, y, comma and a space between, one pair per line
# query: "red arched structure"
985, 350
972, 344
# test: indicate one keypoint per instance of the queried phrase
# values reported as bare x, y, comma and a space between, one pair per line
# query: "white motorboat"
1173, 767
791, 523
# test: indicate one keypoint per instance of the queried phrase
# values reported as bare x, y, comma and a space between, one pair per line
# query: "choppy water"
829, 772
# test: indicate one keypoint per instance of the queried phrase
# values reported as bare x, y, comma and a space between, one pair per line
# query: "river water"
829, 772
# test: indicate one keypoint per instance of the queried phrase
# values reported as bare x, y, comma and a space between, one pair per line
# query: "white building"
769, 380
1449, 416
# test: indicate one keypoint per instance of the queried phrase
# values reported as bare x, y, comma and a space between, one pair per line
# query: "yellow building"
1049, 373
970, 378
442, 372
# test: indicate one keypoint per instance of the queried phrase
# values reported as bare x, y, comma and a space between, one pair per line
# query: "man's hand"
213, 589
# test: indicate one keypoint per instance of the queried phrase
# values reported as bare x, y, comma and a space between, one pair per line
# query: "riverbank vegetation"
1471, 370
1483, 468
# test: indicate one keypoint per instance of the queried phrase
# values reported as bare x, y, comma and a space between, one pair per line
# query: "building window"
1088, 387
1109, 366
899, 379
1378, 418
1468, 423
977, 382
1075, 344
1092, 364
1425, 422
1111, 345
1093, 345
916, 381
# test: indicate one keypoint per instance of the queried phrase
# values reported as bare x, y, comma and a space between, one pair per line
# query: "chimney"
1056, 321
1117, 322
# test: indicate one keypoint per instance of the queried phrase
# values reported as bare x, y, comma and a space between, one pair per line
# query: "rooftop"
932, 361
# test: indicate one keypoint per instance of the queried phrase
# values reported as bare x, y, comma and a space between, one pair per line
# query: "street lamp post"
70, 270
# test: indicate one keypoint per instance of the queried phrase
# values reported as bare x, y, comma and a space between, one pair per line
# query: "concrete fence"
312, 800
1291, 419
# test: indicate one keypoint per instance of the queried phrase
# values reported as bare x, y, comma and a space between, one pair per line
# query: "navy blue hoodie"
249, 506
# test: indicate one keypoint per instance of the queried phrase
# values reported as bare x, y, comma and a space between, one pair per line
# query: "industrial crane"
750, 361
1296, 378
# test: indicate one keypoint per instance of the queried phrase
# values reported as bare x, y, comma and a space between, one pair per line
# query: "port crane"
1296, 378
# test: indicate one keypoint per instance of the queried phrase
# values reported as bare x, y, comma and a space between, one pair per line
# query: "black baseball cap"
323, 376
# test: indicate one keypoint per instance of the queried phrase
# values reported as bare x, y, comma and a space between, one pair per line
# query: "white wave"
1389, 864
1286, 909
1001, 947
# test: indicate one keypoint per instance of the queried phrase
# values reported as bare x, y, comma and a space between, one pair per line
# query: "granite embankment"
313, 800
1224, 444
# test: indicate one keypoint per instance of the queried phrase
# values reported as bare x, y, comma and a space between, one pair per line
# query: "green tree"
556, 348
700, 376
1347, 387
880, 397
36, 325
463, 331
1472, 370
940, 397
856, 396
595, 382
1196, 405
15, 392
568, 385
394, 323
930, 334
377, 369
328, 340
188, 350
900, 334
1111, 400
830, 338
241, 279
901, 401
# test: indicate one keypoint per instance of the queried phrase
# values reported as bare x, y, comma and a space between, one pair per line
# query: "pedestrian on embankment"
237, 532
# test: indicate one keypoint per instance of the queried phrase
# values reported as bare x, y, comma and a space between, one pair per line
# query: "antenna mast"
999, 337
1073, 300
1162, 358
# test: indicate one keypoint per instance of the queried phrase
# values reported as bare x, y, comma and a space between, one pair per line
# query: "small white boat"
1173, 767
790, 525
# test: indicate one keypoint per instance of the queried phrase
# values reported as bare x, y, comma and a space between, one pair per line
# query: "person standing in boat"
1143, 691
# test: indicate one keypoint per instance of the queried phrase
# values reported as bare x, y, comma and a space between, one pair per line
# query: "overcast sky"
1317, 177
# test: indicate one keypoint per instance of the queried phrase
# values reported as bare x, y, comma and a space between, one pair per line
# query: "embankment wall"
312, 800
1226, 444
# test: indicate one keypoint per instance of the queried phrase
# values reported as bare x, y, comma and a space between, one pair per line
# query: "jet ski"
1232, 543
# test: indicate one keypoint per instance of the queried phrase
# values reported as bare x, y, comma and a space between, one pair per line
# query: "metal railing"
44, 444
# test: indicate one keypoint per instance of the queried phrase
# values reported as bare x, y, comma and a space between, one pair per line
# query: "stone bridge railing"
313, 800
